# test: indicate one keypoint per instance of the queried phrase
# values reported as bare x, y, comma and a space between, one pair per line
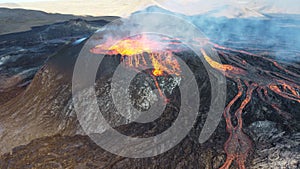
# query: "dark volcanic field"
45, 109
22, 54
39, 127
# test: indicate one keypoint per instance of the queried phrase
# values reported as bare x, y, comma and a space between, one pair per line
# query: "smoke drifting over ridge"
276, 35
257, 25
194, 7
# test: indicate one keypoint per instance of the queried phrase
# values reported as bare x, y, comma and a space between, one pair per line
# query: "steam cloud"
276, 34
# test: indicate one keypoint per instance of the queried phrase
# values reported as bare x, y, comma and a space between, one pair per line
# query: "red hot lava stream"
135, 49
282, 82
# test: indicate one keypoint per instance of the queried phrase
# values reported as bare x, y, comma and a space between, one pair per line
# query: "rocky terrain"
45, 109
39, 126
22, 54
19, 20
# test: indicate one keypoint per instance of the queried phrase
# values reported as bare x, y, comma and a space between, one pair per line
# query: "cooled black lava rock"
45, 109
22, 54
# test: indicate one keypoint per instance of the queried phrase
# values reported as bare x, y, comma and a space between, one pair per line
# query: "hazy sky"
189, 7
193, 6
16, 1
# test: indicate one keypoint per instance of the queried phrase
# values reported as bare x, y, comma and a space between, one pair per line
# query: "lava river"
250, 79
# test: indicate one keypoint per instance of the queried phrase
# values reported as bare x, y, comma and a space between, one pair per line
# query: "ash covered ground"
39, 127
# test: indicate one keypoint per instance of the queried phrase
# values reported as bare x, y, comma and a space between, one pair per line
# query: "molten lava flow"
226, 69
141, 51
238, 144
282, 82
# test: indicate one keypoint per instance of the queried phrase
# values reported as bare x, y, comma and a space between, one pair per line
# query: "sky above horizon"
189, 7
17, 1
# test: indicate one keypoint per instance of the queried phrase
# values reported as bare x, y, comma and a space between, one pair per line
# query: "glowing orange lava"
224, 68
141, 51
145, 51
254, 77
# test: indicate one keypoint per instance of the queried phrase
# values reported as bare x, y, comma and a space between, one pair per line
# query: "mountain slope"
18, 20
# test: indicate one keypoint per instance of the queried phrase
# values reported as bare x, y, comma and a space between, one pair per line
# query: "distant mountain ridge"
234, 12
19, 20
227, 11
